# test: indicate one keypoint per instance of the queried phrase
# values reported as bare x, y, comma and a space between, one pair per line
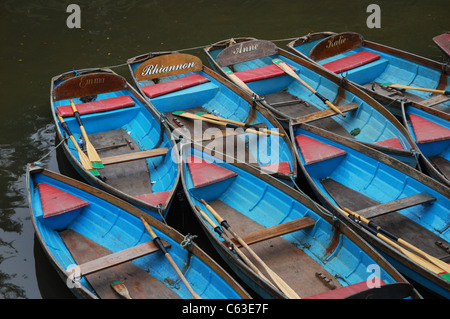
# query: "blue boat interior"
371, 124
215, 98
243, 196
358, 176
116, 230
388, 69
139, 125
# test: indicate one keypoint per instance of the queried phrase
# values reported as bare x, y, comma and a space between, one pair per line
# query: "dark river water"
37, 44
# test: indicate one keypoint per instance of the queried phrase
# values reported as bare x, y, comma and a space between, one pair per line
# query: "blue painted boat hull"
115, 225
394, 66
118, 131
250, 201
358, 177
370, 123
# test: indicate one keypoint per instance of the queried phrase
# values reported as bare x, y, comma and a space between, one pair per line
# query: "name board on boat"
166, 65
336, 44
246, 51
89, 84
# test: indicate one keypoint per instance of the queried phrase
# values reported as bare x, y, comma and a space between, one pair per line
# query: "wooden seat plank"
134, 156
276, 231
326, 113
140, 283
395, 205
437, 99
119, 257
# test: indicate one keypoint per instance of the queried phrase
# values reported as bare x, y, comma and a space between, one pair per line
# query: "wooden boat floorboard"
222, 144
294, 107
131, 177
140, 284
293, 265
393, 222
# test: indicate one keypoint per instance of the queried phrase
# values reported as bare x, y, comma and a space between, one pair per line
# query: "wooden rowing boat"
134, 148
94, 239
373, 67
430, 130
386, 192
200, 105
305, 252
302, 91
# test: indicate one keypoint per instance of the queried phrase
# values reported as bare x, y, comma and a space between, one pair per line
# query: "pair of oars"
92, 161
407, 87
220, 123
286, 68
217, 118
280, 283
431, 263
92, 153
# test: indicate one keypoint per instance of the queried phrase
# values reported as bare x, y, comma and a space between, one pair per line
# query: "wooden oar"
433, 266
197, 117
83, 158
282, 65
283, 286
221, 233
158, 242
217, 118
121, 289
92, 153
407, 87
238, 81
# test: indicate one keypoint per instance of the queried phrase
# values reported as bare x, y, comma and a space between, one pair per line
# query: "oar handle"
215, 214
216, 228
64, 125
76, 113
158, 242
156, 239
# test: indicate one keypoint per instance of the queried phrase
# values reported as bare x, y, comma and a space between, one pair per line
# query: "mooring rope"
190, 49
38, 162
